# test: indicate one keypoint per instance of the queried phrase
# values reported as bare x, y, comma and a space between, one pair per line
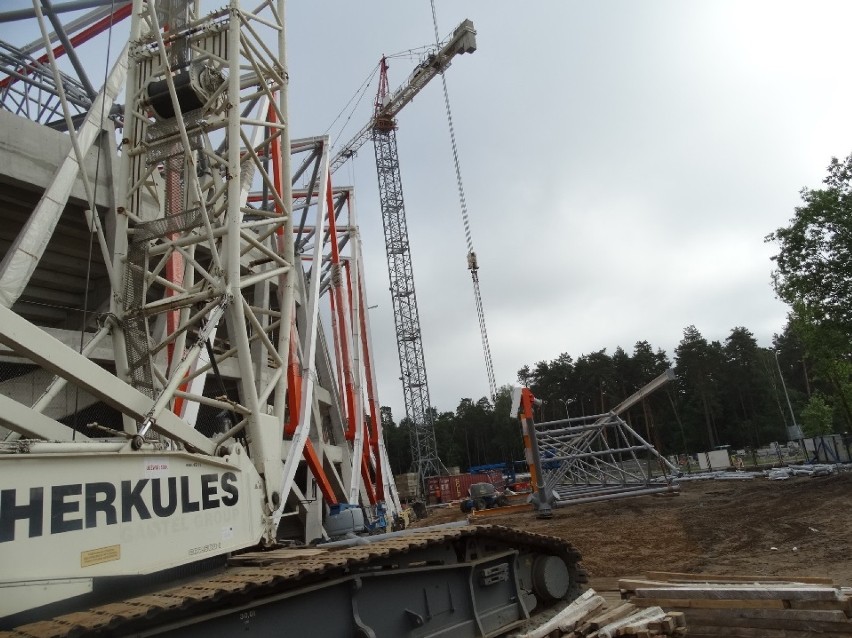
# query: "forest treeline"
729, 392
724, 393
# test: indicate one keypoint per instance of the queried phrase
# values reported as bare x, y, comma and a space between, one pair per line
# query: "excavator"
178, 425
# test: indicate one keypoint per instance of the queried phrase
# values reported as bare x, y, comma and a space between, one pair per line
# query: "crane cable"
472, 264
362, 91
357, 97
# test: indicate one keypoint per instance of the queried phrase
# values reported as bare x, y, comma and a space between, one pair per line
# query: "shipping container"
443, 489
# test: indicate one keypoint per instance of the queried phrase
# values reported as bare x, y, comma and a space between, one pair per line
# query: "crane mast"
415, 386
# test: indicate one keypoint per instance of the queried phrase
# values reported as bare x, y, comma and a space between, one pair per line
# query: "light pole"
796, 431
566, 403
784, 385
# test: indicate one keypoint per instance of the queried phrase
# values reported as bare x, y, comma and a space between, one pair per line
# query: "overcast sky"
622, 163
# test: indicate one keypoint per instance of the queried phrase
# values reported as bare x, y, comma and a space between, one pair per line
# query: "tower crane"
382, 129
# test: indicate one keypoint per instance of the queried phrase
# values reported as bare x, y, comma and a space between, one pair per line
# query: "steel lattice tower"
382, 129
415, 386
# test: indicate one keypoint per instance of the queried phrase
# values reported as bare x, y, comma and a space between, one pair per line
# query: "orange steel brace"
315, 467
527, 399
294, 382
335, 333
365, 453
340, 302
375, 411
294, 369
346, 268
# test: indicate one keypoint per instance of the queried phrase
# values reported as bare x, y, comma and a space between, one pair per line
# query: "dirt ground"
713, 526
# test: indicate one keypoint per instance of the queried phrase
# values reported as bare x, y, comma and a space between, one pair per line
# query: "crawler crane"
175, 431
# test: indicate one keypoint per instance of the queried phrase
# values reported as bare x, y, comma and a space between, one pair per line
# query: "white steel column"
358, 443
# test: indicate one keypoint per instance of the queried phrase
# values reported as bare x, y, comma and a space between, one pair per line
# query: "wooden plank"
813, 615
663, 626
567, 619
500, 511
634, 621
706, 603
844, 604
716, 619
752, 632
742, 592
632, 584
608, 583
701, 578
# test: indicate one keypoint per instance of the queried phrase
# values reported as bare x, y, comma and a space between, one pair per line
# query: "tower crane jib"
462, 40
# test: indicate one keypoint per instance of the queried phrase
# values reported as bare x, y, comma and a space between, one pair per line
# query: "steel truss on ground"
591, 458
214, 267
599, 457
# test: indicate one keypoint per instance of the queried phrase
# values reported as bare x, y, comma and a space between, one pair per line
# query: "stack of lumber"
747, 606
589, 617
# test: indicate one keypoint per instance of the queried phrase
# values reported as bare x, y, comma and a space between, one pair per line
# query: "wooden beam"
706, 603
742, 592
720, 578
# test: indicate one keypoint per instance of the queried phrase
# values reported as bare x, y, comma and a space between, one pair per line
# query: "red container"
443, 489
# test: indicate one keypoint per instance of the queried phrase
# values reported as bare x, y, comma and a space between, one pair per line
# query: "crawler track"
250, 579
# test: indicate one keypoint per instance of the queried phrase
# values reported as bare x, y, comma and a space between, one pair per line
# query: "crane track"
261, 574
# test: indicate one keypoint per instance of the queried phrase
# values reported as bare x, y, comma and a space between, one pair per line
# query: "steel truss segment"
600, 453
337, 271
361, 446
30, 86
31, 90
309, 348
197, 141
595, 457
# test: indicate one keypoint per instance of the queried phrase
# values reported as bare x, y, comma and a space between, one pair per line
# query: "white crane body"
68, 516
